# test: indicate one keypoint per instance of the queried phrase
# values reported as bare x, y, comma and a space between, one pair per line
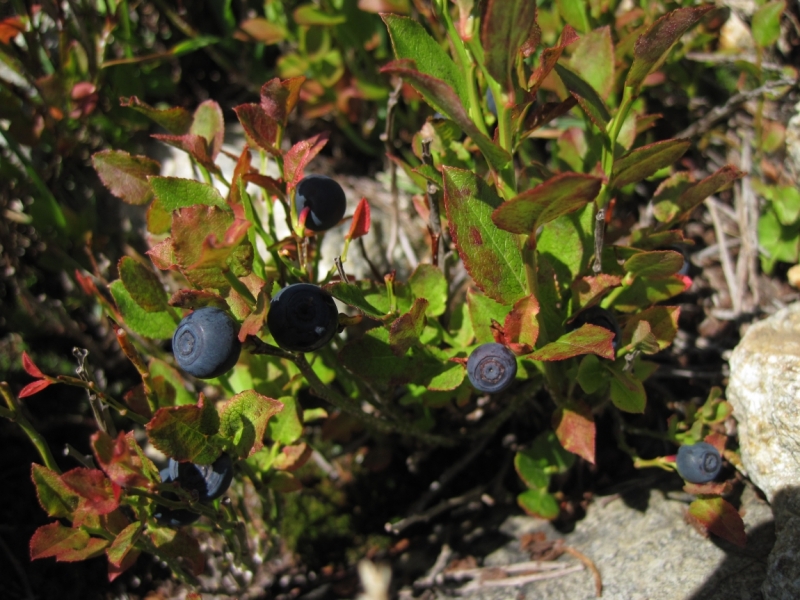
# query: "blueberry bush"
565, 304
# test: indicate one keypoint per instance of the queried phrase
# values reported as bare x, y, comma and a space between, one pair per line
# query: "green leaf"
406, 329
125, 176
646, 291
667, 208
548, 452
658, 263
491, 256
442, 97
505, 26
593, 59
308, 14
243, 420
531, 469
175, 193
176, 120
287, 426
587, 97
719, 517
55, 497
643, 162
195, 43
576, 430
786, 204
429, 283
65, 543
143, 285
411, 41
781, 242
482, 311
209, 124
574, 13
461, 331
568, 243
587, 339
155, 325
766, 23
653, 45
538, 503
592, 376
559, 195
663, 321
370, 297
185, 432
627, 392
123, 543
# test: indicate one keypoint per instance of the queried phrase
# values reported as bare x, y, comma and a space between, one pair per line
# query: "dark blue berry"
698, 463
600, 317
325, 199
173, 517
208, 481
302, 317
491, 367
206, 344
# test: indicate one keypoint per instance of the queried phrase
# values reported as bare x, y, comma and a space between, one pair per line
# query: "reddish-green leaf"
359, 226
593, 59
278, 98
208, 240
652, 47
34, 387
130, 559
667, 207
521, 326
176, 120
56, 498
243, 419
643, 162
406, 329
444, 98
663, 321
718, 516
142, 284
98, 494
538, 503
299, 155
587, 97
262, 30
575, 428
482, 311
125, 176
293, 457
208, 123
588, 291
163, 255
491, 256
658, 263
123, 544
549, 58
429, 283
121, 461
559, 195
184, 432
254, 322
646, 291
505, 26
193, 144
65, 543
588, 339
258, 125
194, 299
175, 193
179, 545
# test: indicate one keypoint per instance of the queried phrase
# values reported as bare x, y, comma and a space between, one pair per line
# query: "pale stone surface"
793, 142
764, 390
783, 570
644, 550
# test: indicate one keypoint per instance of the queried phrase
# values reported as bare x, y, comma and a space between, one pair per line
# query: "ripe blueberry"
206, 344
491, 367
600, 317
209, 481
698, 463
302, 317
173, 517
325, 199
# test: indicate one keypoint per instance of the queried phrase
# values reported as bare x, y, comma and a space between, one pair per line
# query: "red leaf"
98, 494
87, 283
258, 125
719, 517
33, 388
195, 145
299, 155
254, 322
587, 291
65, 543
163, 255
575, 429
9, 28
521, 325
549, 59
407, 328
278, 98
717, 440
30, 368
130, 559
361, 220
120, 461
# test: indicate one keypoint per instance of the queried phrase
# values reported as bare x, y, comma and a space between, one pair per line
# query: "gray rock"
764, 390
783, 571
644, 549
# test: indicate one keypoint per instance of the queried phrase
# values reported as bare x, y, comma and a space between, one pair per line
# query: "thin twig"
387, 138
599, 235
434, 219
445, 505
727, 264
720, 112
598, 581
432, 577
100, 410
74, 453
